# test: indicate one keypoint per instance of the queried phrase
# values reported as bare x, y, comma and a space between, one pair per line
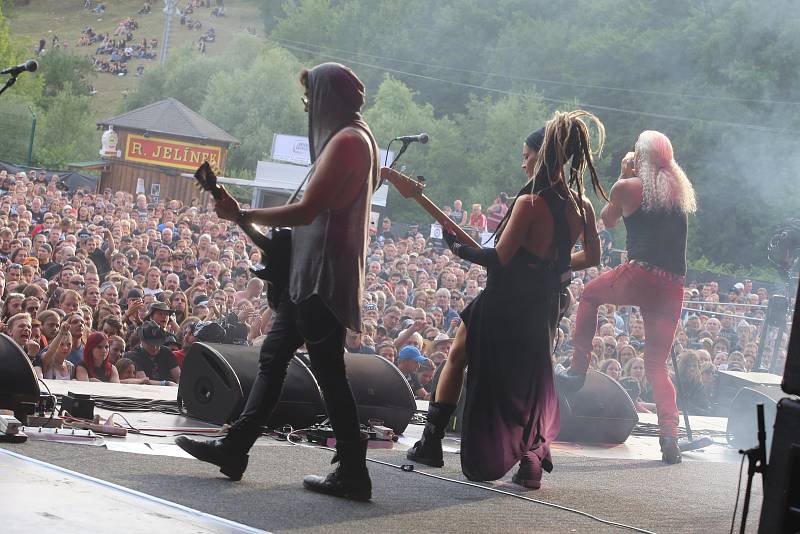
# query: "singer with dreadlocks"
653, 197
506, 337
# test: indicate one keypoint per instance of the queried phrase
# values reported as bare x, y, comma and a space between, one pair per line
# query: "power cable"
409, 468
540, 80
613, 109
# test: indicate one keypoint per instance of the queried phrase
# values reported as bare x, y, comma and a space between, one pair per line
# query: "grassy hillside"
66, 19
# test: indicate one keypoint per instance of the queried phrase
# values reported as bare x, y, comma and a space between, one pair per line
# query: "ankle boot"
350, 479
428, 450
531, 465
229, 452
670, 452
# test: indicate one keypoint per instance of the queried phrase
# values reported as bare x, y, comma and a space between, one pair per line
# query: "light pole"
33, 132
170, 7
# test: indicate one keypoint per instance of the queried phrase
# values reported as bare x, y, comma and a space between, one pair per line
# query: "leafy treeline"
714, 66
720, 77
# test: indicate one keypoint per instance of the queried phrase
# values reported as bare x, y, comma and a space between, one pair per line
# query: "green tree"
255, 102
65, 132
64, 70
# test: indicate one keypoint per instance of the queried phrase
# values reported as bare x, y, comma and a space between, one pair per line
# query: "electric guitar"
410, 188
276, 245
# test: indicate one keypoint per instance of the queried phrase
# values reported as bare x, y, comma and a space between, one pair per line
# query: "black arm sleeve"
481, 256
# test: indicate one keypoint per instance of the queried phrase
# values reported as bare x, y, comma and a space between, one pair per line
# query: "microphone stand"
11, 81
396, 158
756, 463
400, 153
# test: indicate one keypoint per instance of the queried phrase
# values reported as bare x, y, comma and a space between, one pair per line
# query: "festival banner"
170, 153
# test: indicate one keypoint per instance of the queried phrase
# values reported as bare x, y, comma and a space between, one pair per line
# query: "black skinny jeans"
312, 323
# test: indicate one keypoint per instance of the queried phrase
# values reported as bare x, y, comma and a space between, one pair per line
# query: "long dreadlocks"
566, 138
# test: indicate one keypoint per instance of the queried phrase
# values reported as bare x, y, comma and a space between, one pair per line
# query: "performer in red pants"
653, 197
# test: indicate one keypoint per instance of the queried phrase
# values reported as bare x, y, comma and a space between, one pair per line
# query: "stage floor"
625, 483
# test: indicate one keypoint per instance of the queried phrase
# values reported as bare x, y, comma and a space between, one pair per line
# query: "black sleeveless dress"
511, 404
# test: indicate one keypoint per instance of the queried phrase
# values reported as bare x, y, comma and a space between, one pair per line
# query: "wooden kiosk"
147, 149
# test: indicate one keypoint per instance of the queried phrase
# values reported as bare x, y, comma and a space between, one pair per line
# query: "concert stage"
144, 483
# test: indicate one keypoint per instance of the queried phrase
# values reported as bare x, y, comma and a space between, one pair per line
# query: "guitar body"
276, 251
276, 246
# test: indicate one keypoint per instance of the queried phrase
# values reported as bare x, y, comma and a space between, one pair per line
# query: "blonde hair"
665, 186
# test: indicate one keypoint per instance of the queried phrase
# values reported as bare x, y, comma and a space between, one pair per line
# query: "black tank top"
658, 238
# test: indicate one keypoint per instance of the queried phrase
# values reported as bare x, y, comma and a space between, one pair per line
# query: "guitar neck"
445, 221
257, 237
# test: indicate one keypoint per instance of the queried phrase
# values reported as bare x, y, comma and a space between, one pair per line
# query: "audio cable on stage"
409, 468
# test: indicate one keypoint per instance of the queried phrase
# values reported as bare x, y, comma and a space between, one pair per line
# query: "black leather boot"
350, 479
428, 450
569, 380
229, 452
670, 452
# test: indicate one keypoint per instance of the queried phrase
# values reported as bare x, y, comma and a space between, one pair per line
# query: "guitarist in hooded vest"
330, 229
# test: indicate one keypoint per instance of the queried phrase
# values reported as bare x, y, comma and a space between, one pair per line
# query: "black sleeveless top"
658, 238
99, 372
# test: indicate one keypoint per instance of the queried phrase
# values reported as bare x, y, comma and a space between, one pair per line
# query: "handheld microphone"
16, 70
419, 138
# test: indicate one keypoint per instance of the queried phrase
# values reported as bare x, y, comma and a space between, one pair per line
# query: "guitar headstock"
205, 177
207, 180
408, 187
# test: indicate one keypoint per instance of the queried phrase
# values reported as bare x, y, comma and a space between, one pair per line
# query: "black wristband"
241, 218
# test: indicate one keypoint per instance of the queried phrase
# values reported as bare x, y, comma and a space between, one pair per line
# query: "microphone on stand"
16, 70
419, 138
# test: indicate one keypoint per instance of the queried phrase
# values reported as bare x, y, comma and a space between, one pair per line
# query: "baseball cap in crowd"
427, 365
171, 340
52, 271
159, 306
370, 306
135, 294
200, 300
406, 323
152, 333
738, 286
209, 331
84, 233
410, 352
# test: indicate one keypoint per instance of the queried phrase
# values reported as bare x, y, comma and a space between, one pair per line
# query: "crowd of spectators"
110, 286
120, 47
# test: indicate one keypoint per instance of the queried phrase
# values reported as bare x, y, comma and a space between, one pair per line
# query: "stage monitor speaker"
216, 380
791, 373
601, 412
742, 426
381, 391
730, 383
18, 382
780, 510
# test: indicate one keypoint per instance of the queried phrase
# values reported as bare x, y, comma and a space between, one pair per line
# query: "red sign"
167, 153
